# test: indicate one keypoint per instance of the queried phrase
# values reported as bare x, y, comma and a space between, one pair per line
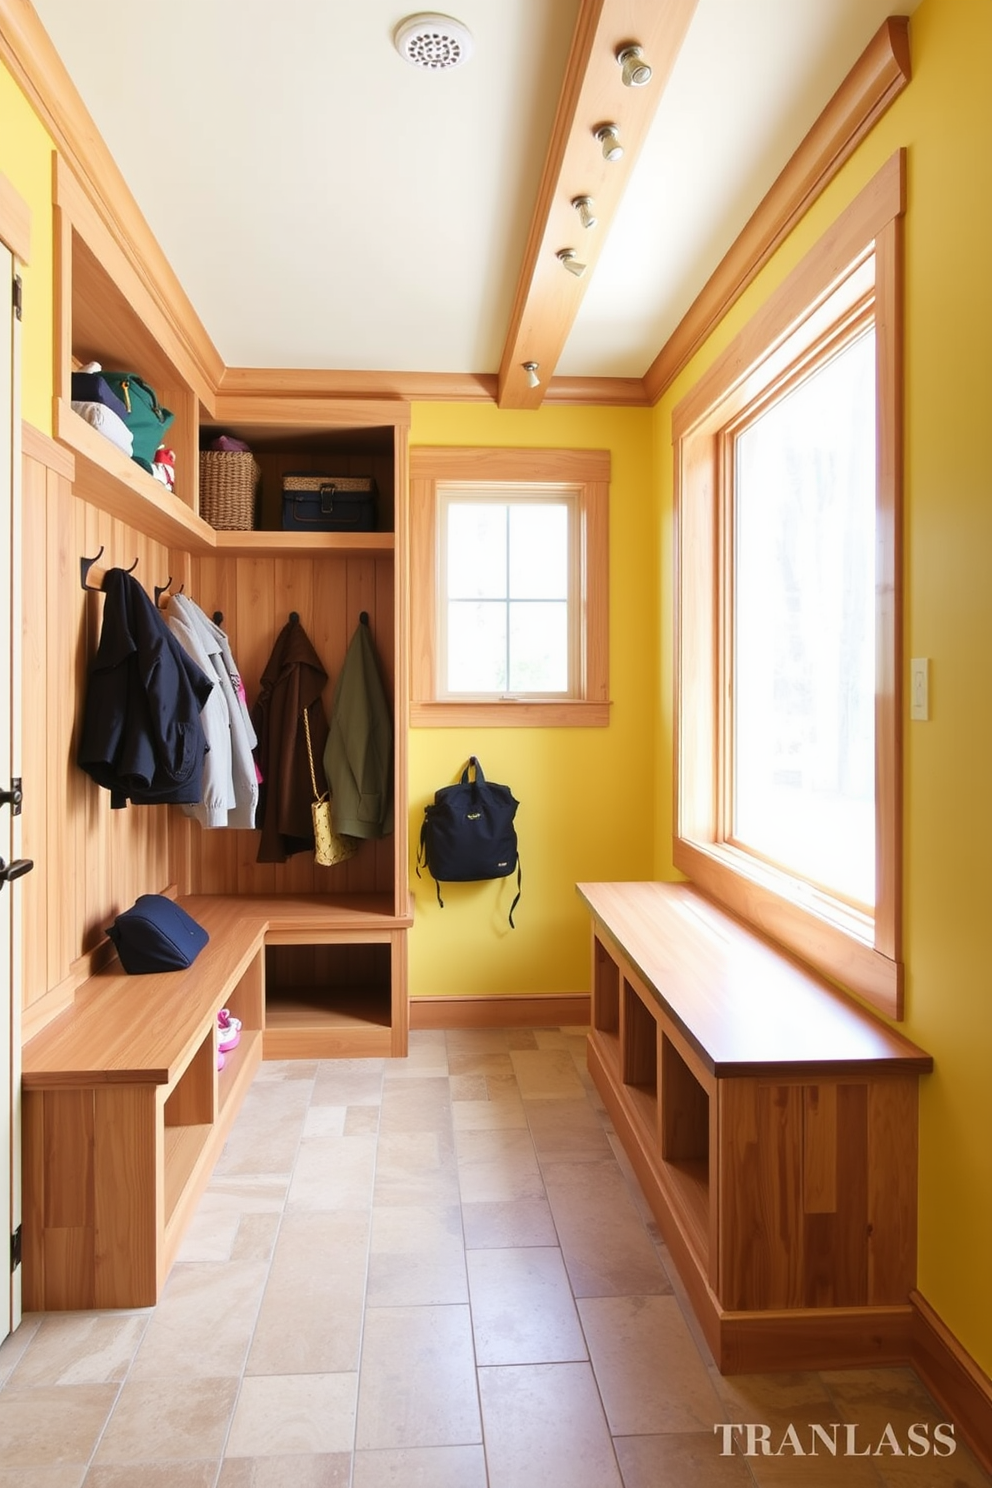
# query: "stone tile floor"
435, 1272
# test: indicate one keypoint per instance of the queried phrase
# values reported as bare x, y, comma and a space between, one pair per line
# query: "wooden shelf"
113, 482
307, 544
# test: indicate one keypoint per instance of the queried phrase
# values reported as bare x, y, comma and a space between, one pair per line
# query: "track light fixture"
583, 205
609, 138
531, 369
566, 257
635, 72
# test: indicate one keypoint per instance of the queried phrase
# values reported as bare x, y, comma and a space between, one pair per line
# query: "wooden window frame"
585, 471
862, 953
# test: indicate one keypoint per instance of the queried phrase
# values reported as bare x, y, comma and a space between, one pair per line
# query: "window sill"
835, 947
564, 714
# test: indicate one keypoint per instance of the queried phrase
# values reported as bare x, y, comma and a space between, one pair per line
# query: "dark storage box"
328, 503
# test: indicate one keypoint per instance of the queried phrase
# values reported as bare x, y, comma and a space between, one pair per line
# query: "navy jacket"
141, 735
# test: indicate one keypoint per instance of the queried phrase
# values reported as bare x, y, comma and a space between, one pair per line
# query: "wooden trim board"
539, 1010
953, 1378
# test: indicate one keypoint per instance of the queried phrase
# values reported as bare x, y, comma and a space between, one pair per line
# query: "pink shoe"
228, 1031
221, 1061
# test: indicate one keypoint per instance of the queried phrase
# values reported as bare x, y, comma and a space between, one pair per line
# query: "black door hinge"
15, 1249
18, 297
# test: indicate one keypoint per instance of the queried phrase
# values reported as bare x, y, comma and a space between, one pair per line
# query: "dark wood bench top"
745, 1007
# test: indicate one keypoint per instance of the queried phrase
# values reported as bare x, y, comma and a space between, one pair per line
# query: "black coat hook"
218, 617
161, 589
85, 564
363, 618
294, 617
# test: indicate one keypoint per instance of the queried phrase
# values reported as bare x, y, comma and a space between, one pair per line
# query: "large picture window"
787, 500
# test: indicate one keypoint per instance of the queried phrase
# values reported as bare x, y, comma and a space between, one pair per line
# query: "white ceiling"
325, 204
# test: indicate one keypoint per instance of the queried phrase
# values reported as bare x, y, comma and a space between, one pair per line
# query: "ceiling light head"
433, 42
566, 257
530, 368
609, 137
584, 206
634, 70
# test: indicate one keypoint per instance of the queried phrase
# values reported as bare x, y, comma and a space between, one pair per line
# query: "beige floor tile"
203, 1323
480, 1062
957, 1470
256, 1237
52, 1425
154, 1475
788, 1471
777, 1399
15, 1343
544, 1426
416, 1167
244, 1194
510, 1222
650, 1376
327, 1470
566, 1130
684, 1460
417, 1104
428, 1056
267, 1133
82, 1348
210, 1236
521, 1038
421, 1467
487, 1115
168, 1420
523, 1311
324, 1121
273, 1071
285, 1415
494, 1166
360, 1121
67, 1476
606, 1247
418, 1379
468, 1088
333, 1173
550, 1038
348, 1082
546, 1074
417, 1256
310, 1319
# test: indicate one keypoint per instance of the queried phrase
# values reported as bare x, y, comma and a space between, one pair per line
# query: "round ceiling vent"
434, 42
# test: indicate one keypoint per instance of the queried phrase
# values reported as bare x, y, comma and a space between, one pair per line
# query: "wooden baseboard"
953, 1378
814, 1338
546, 1010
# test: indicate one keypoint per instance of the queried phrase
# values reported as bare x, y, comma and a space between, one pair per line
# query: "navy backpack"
468, 833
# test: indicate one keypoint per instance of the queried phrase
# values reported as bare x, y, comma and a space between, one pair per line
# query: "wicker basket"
228, 479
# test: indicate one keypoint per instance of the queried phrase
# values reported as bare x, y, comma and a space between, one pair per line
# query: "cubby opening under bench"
772, 1123
125, 1112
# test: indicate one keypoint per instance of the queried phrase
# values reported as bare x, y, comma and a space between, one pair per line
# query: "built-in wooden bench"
772, 1123
125, 1111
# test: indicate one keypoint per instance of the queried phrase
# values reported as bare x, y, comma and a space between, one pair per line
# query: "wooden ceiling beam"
548, 297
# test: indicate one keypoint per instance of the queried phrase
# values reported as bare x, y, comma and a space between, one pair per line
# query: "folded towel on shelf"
108, 423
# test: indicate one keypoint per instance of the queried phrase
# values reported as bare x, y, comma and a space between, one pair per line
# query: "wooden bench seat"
772, 1122
125, 1112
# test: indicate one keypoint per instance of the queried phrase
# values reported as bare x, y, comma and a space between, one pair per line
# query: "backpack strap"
517, 899
473, 764
422, 858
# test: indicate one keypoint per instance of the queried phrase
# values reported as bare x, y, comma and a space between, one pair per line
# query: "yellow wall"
586, 795
26, 161
944, 119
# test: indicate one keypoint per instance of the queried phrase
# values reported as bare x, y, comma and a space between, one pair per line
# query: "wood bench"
772, 1123
125, 1112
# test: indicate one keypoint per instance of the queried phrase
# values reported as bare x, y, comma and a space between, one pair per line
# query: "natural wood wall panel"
893, 1164
256, 596
90, 861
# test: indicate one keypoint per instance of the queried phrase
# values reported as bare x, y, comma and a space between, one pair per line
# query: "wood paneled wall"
90, 861
256, 596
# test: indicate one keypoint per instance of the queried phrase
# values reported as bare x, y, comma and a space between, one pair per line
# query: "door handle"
16, 869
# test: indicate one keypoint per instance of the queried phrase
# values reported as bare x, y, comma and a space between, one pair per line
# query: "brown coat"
293, 680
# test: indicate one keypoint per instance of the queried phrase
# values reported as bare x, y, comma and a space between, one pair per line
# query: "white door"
10, 994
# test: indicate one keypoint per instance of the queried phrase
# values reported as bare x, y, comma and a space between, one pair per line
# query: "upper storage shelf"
106, 312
